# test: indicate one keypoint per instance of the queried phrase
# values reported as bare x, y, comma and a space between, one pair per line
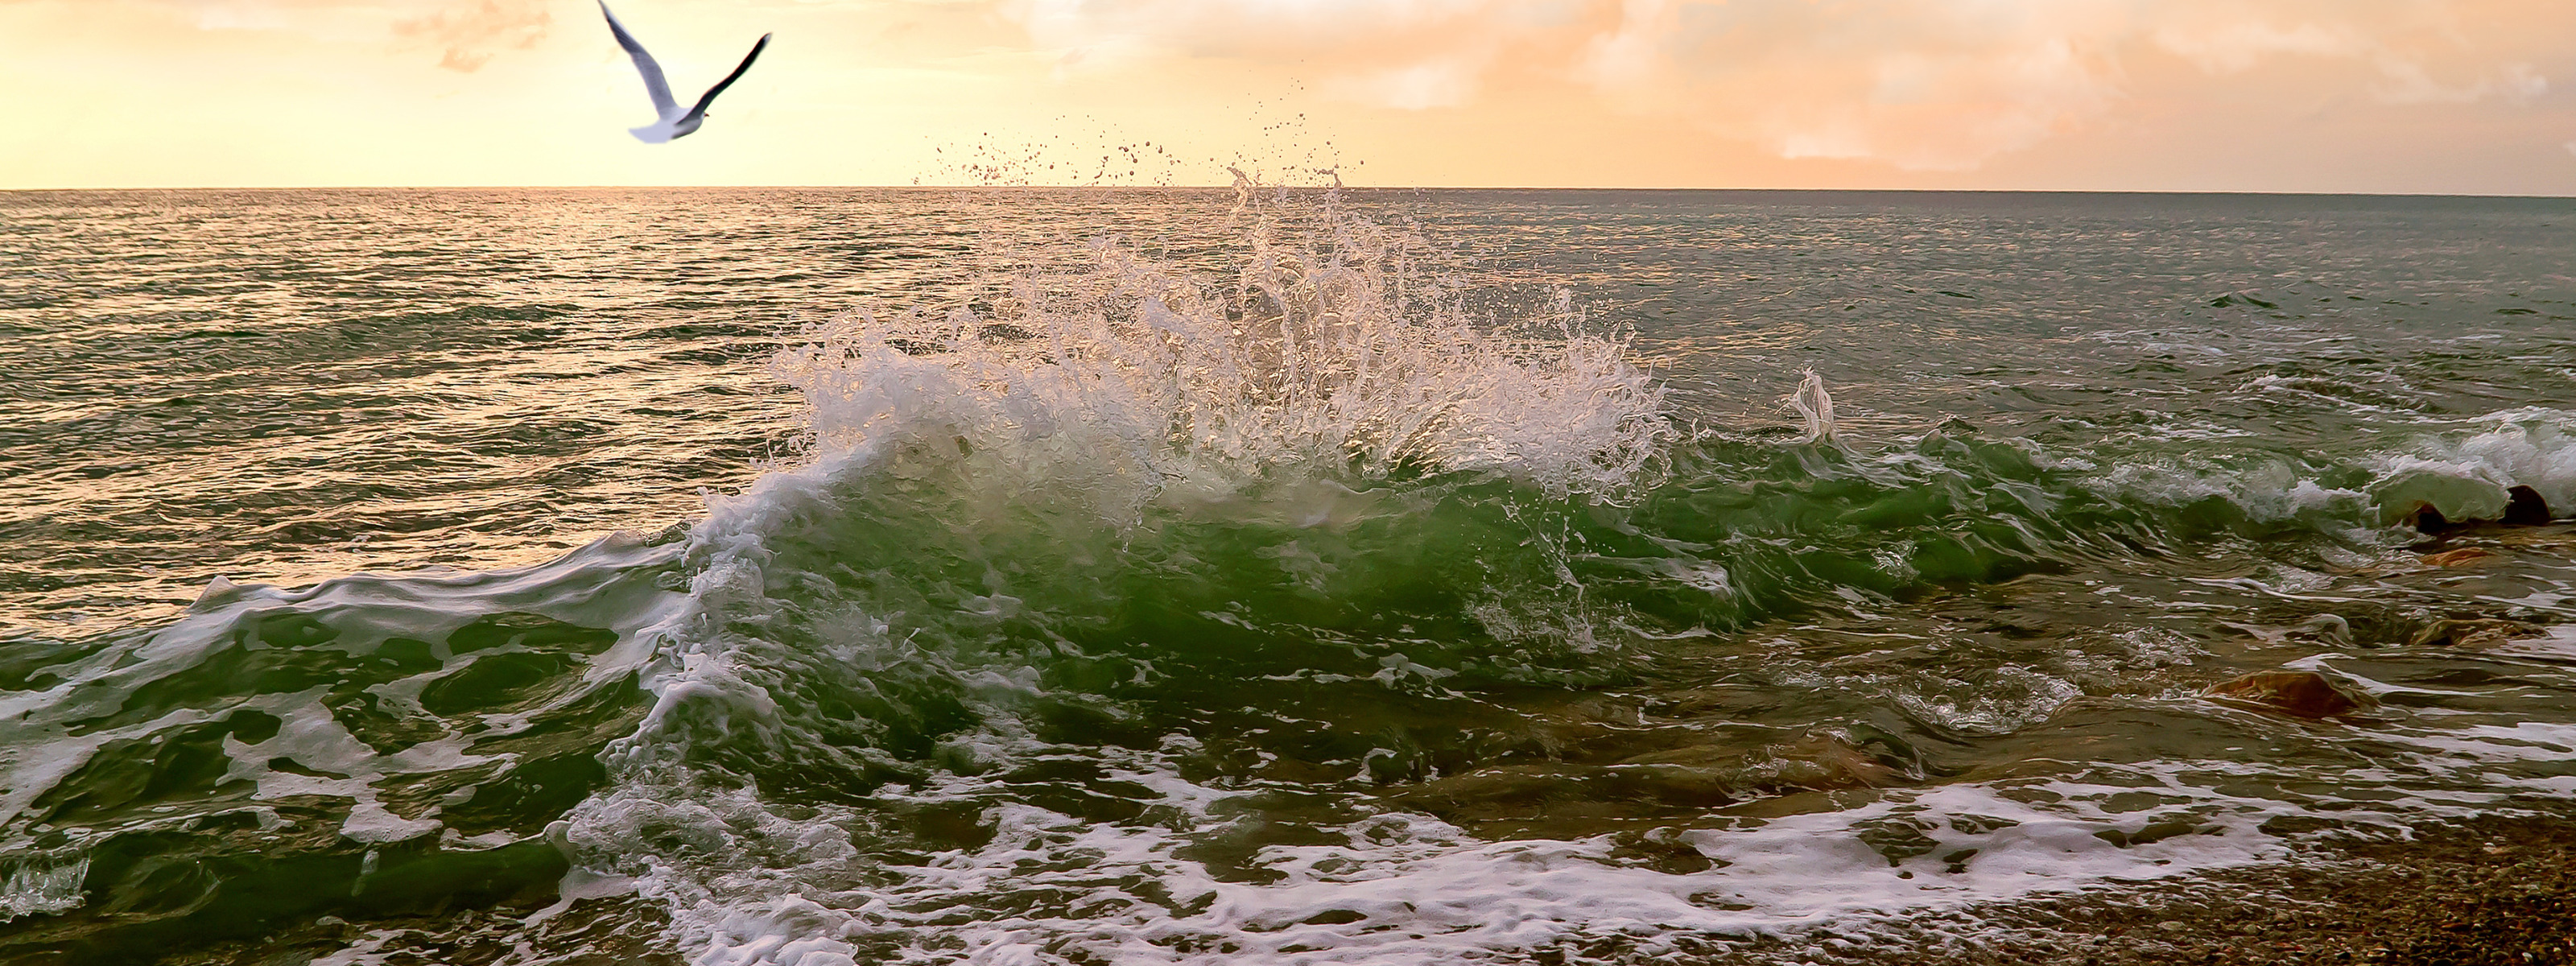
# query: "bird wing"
654, 85
710, 96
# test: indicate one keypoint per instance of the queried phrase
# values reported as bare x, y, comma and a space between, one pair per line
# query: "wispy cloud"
469, 32
2422, 52
1918, 84
466, 34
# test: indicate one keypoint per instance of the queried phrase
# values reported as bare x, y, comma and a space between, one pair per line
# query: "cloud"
2235, 46
1920, 85
470, 32
466, 33
2411, 46
1422, 86
1917, 84
1414, 54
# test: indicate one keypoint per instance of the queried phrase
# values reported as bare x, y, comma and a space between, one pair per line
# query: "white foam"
2270, 492
752, 884
57, 731
1318, 352
2464, 474
1117, 383
2009, 699
1405, 888
41, 884
1285, 393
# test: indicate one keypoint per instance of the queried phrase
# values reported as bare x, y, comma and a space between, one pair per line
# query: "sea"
1269, 575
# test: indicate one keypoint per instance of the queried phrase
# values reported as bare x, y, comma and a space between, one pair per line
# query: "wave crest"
1325, 349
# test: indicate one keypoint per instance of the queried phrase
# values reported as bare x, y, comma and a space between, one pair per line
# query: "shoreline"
2493, 889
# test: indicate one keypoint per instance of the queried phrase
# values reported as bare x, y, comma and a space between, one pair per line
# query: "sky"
2377, 96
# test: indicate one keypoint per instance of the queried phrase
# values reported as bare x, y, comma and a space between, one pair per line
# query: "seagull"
670, 122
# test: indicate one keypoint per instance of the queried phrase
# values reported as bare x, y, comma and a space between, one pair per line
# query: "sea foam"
1064, 418
2464, 473
1325, 350
1326, 361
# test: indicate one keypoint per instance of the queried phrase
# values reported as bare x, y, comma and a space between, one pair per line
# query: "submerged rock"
2474, 632
1822, 762
2461, 557
2306, 694
2330, 630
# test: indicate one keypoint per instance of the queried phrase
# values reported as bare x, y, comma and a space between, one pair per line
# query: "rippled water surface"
815, 577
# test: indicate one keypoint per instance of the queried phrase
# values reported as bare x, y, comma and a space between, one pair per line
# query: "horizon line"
2199, 192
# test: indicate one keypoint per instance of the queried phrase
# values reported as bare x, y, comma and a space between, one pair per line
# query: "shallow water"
826, 576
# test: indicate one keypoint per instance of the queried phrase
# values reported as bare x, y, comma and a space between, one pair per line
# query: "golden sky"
2438, 96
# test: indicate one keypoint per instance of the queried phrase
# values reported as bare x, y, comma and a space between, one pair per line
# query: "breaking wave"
1279, 603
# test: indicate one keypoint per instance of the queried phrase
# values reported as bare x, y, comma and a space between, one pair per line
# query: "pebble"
2306, 694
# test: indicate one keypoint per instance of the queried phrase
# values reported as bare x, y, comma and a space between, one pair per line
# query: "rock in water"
2306, 694
2425, 519
2474, 632
2456, 558
2524, 507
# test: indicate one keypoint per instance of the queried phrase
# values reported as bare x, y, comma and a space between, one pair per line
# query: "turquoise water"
811, 577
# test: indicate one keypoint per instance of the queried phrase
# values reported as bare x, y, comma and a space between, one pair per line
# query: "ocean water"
1087, 576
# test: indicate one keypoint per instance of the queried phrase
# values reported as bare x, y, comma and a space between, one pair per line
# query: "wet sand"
2492, 890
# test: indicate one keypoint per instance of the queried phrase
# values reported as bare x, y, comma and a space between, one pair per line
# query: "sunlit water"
819, 577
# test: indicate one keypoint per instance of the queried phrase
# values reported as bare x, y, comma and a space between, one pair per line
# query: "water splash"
36, 885
1275, 142
1327, 350
1815, 407
1081, 400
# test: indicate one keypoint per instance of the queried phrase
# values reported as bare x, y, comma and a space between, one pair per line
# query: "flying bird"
669, 121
